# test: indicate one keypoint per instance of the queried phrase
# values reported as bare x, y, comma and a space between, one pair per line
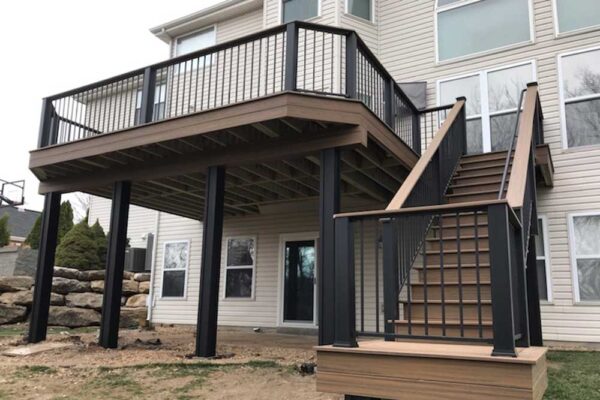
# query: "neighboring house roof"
20, 221
207, 16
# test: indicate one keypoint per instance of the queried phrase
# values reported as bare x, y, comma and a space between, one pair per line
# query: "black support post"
210, 269
501, 281
351, 71
345, 307
291, 56
329, 206
533, 296
115, 262
390, 277
45, 269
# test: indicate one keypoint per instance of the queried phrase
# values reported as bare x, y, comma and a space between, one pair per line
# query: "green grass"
573, 375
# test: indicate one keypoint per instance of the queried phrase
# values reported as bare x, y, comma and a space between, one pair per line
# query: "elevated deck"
427, 371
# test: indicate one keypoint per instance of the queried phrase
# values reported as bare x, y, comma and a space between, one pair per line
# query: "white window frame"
561, 95
485, 113
186, 269
253, 267
348, 13
574, 258
319, 11
462, 3
192, 33
546, 258
559, 34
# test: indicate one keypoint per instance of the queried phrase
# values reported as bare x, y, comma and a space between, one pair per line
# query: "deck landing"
419, 371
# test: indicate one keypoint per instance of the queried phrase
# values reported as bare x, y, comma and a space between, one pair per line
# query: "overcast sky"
52, 46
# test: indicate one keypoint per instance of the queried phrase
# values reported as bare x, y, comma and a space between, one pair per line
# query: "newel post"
345, 307
148, 89
390, 277
501, 281
291, 57
351, 71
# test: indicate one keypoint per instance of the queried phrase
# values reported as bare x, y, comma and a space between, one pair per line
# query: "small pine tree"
65, 221
4, 233
33, 239
101, 242
78, 249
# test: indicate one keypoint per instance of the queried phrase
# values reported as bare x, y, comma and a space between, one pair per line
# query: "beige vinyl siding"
141, 220
407, 49
241, 26
262, 310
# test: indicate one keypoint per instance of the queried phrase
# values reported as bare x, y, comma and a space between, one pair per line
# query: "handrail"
512, 143
516, 187
415, 175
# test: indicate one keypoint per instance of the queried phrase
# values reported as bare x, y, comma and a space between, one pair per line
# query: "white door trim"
287, 237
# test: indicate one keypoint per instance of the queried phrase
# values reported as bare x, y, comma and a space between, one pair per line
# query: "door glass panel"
474, 136
505, 86
299, 280
502, 130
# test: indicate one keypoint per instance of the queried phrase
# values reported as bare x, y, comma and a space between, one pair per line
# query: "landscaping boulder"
21, 298
138, 300
84, 300
69, 273
9, 314
97, 286
127, 275
15, 283
94, 275
130, 287
133, 317
145, 287
141, 276
57, 299
64, 286
73, 317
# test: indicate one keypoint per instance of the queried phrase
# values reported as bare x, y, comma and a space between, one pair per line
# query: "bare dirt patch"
157, 365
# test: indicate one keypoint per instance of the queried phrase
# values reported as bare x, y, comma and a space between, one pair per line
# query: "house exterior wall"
408, 50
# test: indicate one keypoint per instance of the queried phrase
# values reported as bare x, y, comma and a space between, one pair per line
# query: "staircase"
448, 293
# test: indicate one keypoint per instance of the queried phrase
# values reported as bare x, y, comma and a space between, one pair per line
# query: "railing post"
148, 89
291, 57
44, 138
463, 123
345, 308
388, 95
533, 297
501, 281
416, 133
390, 277
351, 71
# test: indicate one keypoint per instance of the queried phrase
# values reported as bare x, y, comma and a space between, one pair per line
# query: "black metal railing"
299, 56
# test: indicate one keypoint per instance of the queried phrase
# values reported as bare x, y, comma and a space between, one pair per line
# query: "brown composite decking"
270, 147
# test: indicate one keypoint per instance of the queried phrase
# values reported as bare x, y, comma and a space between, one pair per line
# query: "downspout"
150, 299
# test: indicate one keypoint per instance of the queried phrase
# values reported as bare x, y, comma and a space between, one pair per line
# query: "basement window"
175, 266
585, 255
299, 10
240, 267
576, 15
580, 97
469, 27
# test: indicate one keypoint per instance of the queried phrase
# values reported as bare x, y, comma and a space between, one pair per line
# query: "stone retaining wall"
76, 298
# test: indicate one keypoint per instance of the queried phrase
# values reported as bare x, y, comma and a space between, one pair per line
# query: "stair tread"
448, 321
464, 185
483, 174
466, 250
454, 266
454, 195
453, 302
450, 283
482, 155
448, 238
494, 164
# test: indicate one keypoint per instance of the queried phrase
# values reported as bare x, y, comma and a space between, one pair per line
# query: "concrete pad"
37, 348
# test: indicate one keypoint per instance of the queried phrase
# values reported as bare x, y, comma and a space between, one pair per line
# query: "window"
299, 10
239, 269
175, 265
360, 8
585, 255
158, 112
467, 27
580, 97
492, 98
573, 15
543, 261
195, 41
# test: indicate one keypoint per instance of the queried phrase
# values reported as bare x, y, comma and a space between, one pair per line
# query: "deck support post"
210, 269
45, 269
115, 264
501, 280
390, 277
329, 206
533, 296
345, 306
